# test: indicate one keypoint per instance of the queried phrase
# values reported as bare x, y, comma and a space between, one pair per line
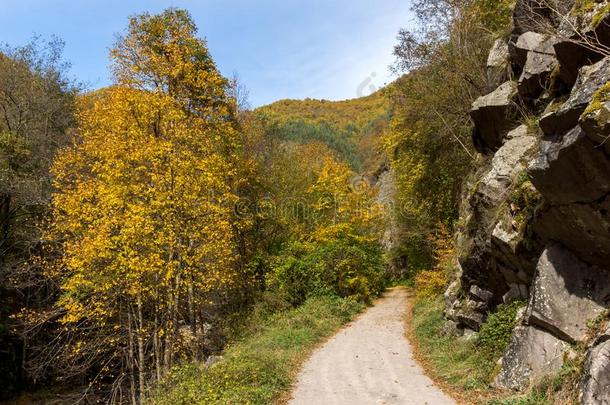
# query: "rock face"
595, 382
539, 64
535, 217
493, 115
489, 270
590, 79
583, 228
566, 294
506, 164
531, 355
571, 169
498, 65
579, 38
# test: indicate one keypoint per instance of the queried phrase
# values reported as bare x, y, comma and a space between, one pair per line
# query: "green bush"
345, 268
496, 332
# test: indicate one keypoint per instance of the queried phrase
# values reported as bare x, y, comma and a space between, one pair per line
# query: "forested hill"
352, 128
353, 112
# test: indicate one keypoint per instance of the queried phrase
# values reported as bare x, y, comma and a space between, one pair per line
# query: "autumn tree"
144, 208
36, 115
442, 59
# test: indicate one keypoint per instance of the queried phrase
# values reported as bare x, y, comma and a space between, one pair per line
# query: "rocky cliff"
535, 218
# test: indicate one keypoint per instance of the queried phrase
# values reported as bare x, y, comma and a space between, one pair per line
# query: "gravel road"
368, 362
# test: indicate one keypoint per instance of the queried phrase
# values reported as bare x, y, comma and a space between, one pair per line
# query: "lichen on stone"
599, 98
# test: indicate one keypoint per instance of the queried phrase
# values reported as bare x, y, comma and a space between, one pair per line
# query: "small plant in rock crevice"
496, 332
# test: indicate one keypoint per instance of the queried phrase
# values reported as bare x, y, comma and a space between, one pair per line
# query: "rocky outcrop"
538, 16
581, 39
595, 381
531, 355
540, 61
486, 204
590, 79
535, 224
571, 169
566, 294
488, 271
583, 228
498, 64
494, 114
506, 164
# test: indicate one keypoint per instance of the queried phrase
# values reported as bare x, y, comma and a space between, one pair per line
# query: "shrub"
496, 332
429, 283
341, 267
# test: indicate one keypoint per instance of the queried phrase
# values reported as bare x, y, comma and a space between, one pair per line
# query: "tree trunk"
5, 219
130, 360
141, 373
156, 343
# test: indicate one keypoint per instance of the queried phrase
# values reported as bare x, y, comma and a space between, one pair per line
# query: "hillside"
357, 112
352, 127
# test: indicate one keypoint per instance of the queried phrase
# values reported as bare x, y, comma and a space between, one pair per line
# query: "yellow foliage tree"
143, 203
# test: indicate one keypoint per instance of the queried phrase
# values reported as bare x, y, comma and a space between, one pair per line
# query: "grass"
458, 365
261, 366
465, 369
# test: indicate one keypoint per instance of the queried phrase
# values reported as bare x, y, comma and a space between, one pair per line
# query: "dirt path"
368, 362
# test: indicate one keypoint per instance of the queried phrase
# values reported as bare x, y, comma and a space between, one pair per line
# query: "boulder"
526, 43
539, 64
479, 294
467, 313
469, 335
211, 360
506, 164
450, 328
509, 249
516, 292
566, 293
582, 228
596, 124
498, 64
531, 355
452, 293
493, 115
595, 380
535, 16
571, 169
590, 79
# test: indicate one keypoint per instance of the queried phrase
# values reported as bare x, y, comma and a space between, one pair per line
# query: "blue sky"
280, 49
